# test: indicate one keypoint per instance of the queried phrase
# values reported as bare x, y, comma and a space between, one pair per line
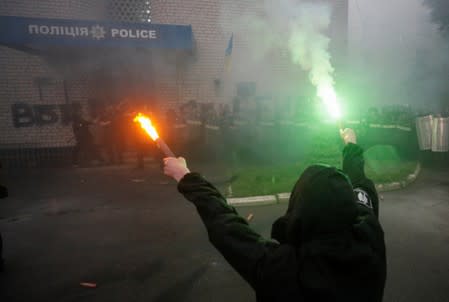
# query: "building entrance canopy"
37, 33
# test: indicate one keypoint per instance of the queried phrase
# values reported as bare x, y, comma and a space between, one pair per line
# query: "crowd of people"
331, 250
108, 134
110, 131
206, 129
396, 115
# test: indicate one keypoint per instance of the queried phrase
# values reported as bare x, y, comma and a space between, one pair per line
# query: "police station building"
56, 53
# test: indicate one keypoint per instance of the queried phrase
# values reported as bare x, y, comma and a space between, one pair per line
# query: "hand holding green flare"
348, 136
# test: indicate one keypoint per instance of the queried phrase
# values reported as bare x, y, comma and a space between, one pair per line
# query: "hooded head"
321, 206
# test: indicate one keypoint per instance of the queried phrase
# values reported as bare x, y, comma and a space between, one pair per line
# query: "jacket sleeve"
354, 167
3, 192
244, 249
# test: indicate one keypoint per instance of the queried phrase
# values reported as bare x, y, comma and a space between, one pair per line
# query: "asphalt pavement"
131, 234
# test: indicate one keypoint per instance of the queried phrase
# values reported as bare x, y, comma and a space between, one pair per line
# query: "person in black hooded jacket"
3, 194
329, 246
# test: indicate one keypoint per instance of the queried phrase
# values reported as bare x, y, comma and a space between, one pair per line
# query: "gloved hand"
176, 168
348, 136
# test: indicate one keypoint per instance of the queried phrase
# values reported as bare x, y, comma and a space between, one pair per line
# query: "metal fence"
22, 156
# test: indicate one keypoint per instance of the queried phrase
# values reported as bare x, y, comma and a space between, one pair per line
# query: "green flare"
309, 47
330, 101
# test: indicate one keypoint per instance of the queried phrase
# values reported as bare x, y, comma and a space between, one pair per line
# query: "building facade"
32, 82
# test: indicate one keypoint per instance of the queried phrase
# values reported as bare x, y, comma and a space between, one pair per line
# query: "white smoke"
297, 28
309, 47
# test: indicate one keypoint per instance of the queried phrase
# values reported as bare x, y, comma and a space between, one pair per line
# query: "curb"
284, 197
392, 186
254, 200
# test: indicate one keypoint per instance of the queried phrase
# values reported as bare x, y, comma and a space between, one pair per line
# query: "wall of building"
205, 78
23, 73
172, 78
253, 59
70, 9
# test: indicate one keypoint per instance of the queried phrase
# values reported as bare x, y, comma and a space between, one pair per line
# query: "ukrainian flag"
228, 53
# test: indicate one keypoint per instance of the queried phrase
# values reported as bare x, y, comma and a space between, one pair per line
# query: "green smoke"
309, 48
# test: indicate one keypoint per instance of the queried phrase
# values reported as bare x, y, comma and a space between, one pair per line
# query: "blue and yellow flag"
228, 53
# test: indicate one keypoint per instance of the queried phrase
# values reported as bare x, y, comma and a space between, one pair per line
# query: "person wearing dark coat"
84, 141
329, 246
3, 194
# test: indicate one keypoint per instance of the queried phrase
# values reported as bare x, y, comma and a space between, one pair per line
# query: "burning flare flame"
146, 125
330, 100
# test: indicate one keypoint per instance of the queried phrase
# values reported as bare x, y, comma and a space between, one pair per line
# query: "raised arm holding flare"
329, 246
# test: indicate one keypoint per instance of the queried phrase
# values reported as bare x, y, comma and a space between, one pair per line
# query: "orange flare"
146, 125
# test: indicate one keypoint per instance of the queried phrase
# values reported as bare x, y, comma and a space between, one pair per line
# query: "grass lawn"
383, 164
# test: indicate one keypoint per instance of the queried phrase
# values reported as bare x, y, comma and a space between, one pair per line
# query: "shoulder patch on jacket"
363, 198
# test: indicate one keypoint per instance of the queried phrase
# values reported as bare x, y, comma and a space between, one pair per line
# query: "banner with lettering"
19, 31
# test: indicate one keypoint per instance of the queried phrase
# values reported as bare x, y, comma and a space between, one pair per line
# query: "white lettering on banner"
114, 32
54, 30
73, 31
133, 33
84, 31
69, 31
144, 34
43, 29
123, 33
96, 31
33, 29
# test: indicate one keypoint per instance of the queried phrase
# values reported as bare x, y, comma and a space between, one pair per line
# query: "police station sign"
97, 32
40, 32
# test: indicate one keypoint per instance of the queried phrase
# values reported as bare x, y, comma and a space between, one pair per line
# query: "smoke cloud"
309, 47
286, 40
397, 55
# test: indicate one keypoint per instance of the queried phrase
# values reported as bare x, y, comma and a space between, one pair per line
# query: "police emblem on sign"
97, 32
363, 198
